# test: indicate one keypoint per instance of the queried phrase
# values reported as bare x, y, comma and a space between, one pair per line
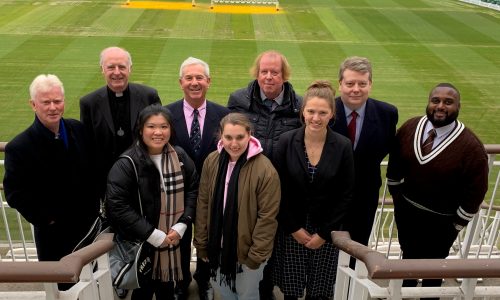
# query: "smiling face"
116, 69
354, 88
270, 75
317, 113
194, 83
155, 133
49, 107
235, 140
443, 106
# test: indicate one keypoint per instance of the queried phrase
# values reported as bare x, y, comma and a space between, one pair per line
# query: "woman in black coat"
168, 186
316, 170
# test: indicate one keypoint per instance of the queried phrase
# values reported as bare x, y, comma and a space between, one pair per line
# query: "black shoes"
181, 293
206, 292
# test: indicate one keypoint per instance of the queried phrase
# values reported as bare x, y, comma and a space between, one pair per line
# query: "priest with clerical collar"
110, 112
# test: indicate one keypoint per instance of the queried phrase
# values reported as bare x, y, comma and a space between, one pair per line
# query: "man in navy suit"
110, 112
195, 115
372, 129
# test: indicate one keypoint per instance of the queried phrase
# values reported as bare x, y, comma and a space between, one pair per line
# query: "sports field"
413, 45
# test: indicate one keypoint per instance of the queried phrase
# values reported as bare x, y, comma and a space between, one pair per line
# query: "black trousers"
423, 234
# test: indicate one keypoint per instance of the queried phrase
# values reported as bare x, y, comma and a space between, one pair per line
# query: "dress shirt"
441, 132
188, 115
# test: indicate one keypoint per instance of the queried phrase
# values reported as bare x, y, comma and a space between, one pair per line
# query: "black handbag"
130, 264
99, 226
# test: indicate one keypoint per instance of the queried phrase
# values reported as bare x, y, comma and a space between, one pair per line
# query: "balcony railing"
476, 250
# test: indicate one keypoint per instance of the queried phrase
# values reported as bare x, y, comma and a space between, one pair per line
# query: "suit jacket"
327, 199
375, 140
52, 186
95, 114
214, 114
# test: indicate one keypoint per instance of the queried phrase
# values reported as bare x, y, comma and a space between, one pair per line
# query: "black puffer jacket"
122, 204
268, 126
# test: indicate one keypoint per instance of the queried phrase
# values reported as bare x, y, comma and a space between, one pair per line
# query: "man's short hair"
194, 61
44, 83
103, 52
357, 64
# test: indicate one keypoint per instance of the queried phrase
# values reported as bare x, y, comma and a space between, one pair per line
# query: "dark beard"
450, 118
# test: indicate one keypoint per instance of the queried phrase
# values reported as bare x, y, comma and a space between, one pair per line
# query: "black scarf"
225, 225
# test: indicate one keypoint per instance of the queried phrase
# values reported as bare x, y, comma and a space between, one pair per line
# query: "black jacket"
268, 126
122, 204
326, 200
95, 114
52, 186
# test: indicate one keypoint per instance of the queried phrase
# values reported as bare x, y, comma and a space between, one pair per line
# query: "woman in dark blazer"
316, 169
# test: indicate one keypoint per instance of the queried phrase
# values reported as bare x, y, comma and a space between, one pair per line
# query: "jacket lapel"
370, 125
103, 106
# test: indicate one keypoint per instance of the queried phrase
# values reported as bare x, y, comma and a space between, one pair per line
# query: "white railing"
377, 276
483, 4
480, 240
88, 268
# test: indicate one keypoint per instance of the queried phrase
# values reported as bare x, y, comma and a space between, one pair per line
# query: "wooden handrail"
380, 267
67, 269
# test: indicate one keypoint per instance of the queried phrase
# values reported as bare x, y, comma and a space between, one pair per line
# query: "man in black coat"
194, 79
273, 107
110, 112
49, 173
371, 132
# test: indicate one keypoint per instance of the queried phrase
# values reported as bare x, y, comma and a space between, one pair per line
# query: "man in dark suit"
49, 175
196, 122
371, 126
110, 112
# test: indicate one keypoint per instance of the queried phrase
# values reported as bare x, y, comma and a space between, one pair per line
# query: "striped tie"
195, 135
427, 145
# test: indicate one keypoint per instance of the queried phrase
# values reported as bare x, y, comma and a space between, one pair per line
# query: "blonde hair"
285, 67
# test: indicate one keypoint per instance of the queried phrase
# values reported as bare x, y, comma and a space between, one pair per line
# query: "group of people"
264, 180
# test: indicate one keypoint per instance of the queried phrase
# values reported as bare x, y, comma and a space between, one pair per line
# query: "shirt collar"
440, 131
278, 99
190, 109
360, 111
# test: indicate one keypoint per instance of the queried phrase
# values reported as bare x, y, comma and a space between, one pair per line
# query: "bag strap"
137, 177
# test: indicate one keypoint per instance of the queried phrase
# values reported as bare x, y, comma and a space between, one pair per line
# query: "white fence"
479, 242
483, 4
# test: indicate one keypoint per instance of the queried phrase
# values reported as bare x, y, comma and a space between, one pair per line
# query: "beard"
450, 118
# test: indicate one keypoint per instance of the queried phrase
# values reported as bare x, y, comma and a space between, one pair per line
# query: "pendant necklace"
120, 132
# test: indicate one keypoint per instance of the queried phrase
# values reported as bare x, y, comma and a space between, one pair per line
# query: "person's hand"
302, 236
315, 242
174, 237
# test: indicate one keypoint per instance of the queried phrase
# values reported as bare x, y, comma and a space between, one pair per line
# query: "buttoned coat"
326, 200
375, 140
213, 115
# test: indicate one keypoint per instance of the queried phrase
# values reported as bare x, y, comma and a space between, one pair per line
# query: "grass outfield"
413, 45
